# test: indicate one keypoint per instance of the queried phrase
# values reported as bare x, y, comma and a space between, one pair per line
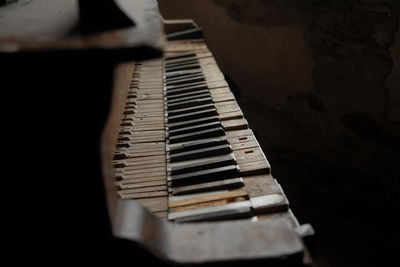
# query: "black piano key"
195, 128
193, 115
185, 97
188, 67
182, 72
189, 103
180, 55
180, 89
182, 62
201, 153
186, 81
189, 94
202, 164
178, 125
207, 133
181, 76
182, 111
170, 87
182, 66
197, 144
219, 173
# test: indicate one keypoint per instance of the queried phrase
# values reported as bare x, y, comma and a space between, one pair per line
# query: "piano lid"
56, 25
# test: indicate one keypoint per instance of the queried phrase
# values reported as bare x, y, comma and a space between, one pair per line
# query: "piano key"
204, 187
131, 191
189, 103
229, 106
198, 127
139, 161
183, 111
178, 125
134, 171
230, 115
201, 164
254, 168
144, 195
242, 138
185, 80
144, 167
180, 63
195, 195
208, 204
131, 154
249, 154
207, 198
213, 174
188, 96
179, 56
193, 115
216, 84
238, 133
260, 185
124, 184
182, 75
269, 203
193, 145
142, 184
236, 124
230, 211
133, 149
186, 67
138, 176
187, 88
244, 145
223, 97
207, 133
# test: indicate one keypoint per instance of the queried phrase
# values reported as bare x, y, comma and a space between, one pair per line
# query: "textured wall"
319, 82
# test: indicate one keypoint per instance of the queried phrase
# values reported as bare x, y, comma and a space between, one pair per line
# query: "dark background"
319, 84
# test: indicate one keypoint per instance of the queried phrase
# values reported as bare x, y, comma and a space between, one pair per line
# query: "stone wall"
319, 82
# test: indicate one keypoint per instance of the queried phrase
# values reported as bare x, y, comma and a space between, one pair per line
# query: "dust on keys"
185, 151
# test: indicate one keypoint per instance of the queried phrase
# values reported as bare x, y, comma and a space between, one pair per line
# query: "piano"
138, 139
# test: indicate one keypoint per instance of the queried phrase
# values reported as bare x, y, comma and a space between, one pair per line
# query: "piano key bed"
185, 150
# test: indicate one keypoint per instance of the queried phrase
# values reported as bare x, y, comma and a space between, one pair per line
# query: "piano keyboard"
185, 150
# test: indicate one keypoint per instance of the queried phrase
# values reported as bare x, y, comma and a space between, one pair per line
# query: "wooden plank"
190, 201
208, 204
